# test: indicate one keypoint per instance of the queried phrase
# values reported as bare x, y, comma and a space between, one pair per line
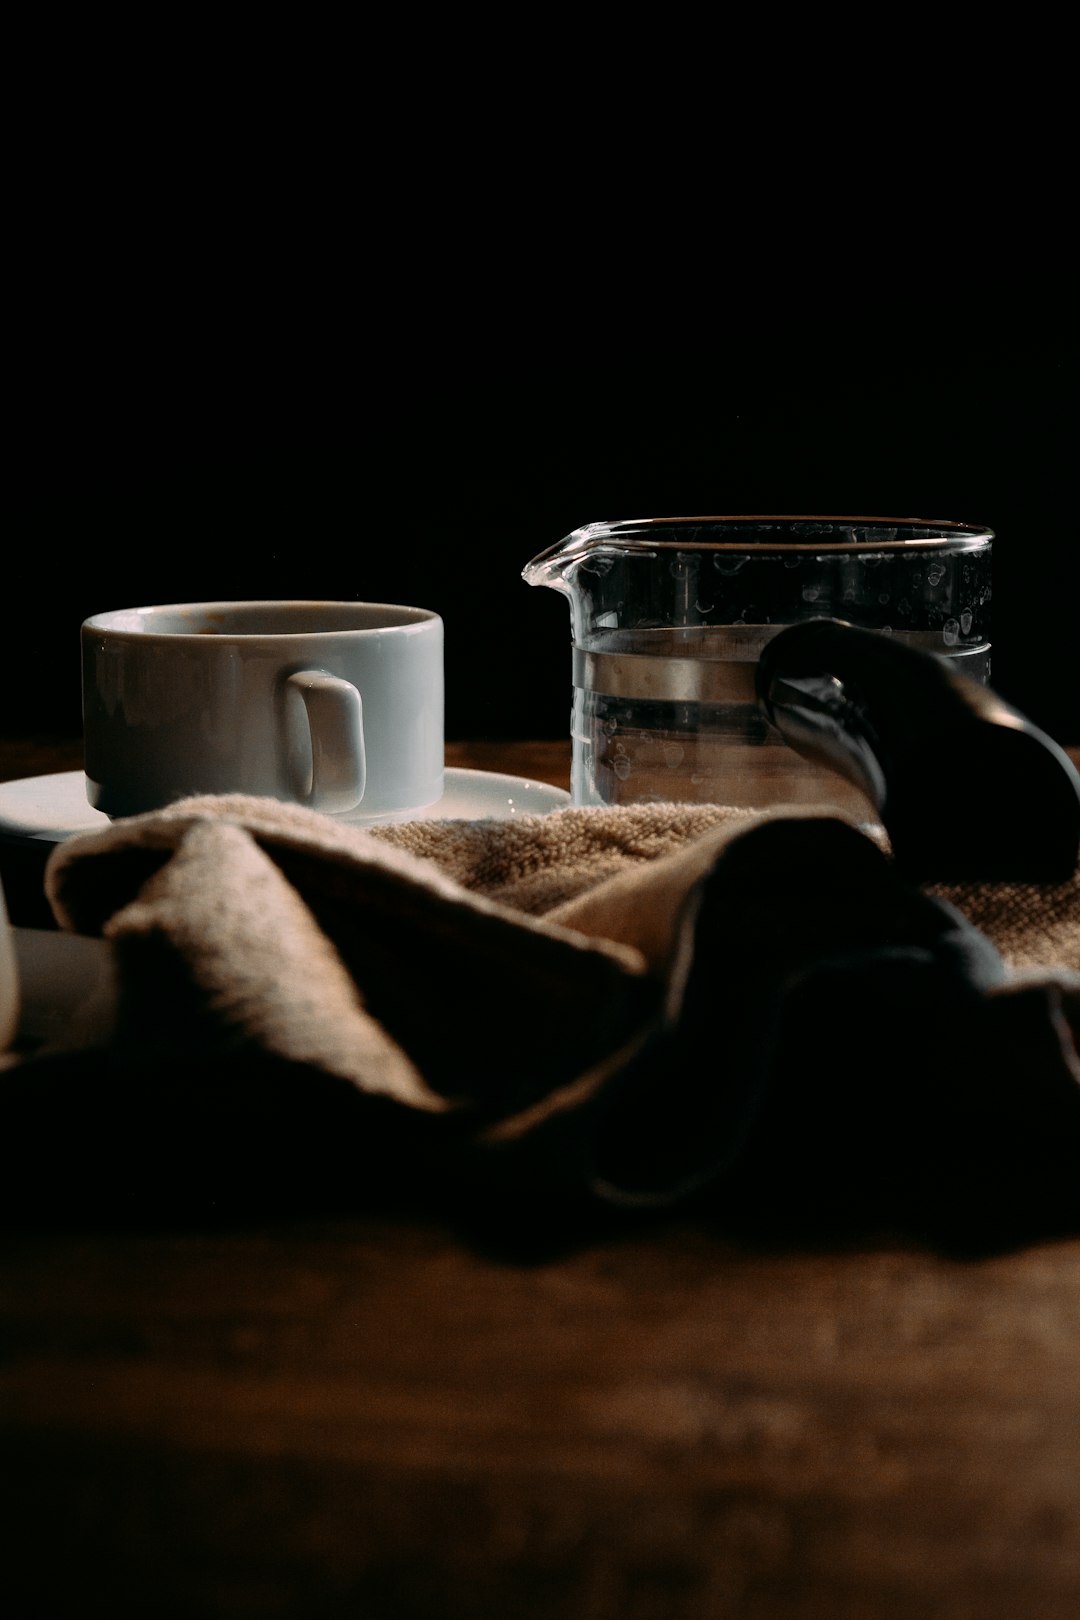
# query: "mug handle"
335, 717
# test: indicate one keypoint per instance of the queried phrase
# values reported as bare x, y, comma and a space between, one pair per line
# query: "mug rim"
111, 622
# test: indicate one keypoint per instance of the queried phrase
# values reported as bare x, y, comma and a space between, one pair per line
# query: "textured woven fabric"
610, 998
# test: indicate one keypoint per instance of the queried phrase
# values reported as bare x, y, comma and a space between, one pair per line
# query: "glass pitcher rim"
800, 532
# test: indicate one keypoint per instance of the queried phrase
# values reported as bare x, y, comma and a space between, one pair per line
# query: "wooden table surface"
370, 1415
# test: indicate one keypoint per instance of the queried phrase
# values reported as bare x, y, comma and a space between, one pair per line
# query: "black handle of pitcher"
965, 786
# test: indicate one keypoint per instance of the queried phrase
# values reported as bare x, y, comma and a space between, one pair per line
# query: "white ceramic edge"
109, 622
470, 795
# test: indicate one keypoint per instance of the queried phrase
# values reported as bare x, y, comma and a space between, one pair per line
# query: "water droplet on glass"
883, 597
950, 632
935, 573
810, 593
726, 564
622, 767
611, 727
965, 621
673, 755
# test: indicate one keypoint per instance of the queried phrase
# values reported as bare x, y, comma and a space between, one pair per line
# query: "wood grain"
368, 1417
544, 760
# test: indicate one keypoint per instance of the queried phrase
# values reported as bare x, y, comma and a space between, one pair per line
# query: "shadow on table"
867, 1149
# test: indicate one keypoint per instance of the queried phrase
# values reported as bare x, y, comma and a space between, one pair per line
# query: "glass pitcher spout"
558, 565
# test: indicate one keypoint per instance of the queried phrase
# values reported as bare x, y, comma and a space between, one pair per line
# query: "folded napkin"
632, 1006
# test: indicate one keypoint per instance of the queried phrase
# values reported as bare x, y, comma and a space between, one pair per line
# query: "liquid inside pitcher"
669, 617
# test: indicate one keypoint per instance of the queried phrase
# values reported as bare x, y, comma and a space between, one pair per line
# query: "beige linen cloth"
515, 991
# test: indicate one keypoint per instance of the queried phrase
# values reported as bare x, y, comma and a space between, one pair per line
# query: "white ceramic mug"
334, 705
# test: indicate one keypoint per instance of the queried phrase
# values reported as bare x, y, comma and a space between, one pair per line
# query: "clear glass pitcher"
669, 617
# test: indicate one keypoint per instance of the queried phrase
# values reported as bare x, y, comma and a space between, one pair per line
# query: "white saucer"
52, 808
